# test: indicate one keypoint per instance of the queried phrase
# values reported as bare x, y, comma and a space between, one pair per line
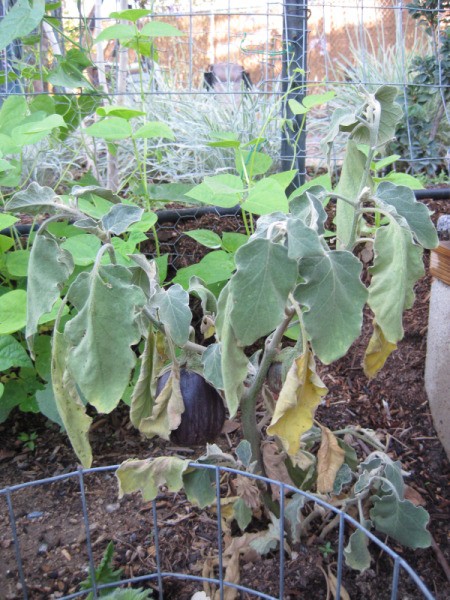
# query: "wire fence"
228, 72
393, 581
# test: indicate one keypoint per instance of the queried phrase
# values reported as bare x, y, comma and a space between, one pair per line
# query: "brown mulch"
50, 523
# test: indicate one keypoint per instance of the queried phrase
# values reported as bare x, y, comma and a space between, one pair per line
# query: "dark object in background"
226, 77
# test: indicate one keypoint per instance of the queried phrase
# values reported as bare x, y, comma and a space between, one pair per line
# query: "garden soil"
49, 518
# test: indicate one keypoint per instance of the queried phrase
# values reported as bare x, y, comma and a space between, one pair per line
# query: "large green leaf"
160, 29
402, 520
221, 190
12, 353
69, 403
234, 361
20, 20
199, 486
154, 129
31, 133
302, 240
110, 129
13, 311
265, 197
49, 268
212, 365
335, 297
147, 476
83, 248
415, 213
396, 268
260, 287
174, 312
17, 263
12, 112
214, 267
47, 404
120, 32
309, 207
102, 333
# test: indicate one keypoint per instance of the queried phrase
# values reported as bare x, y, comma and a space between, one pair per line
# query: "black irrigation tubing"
167, 216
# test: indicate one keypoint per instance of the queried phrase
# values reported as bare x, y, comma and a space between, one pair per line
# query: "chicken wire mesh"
72, 510
229, 71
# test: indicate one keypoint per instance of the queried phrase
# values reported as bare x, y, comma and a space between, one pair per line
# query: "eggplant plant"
117, 324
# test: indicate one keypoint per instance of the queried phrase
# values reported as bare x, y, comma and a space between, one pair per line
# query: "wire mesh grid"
338, 43
158, 575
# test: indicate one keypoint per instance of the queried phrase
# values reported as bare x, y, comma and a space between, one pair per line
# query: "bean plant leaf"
160, 29
357, 555
205, 237
69, 403
396, 268
20, 20
299, 397
102, 333
120, 217
335, 297
330, 458
121, 32
35, 200
168, 407
12, 353
154, 129
142, 396
265, 197
49, 268
13, 311
147, 476
174, 312
260, 287
402, 520
110, 129
220, 190
83, 248
377, 352
234, 361
416, 214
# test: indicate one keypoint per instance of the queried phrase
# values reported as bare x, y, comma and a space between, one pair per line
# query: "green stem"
155, 236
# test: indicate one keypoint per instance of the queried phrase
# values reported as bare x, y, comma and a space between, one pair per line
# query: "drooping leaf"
207, 298
416, 214
396, 268
299, 397
174, 312
294, 517
357, 555
49, 268
68, 402
212, 365
199, 486
267, 540
147, 476
34, 200
260, 287
102, 333
168, 407
377, 352
12, 353
333, 293
47, 404
330, 458
142, 396
402, 520
120, 217
234, 361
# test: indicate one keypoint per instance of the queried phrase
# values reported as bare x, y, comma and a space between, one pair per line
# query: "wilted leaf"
275, 467
330, 458
294, 517
247, 490
332, 580
377, 352
357, 555
69, 403
142, 397
147, 476
174, 312
299, 397
242, 513
168, 407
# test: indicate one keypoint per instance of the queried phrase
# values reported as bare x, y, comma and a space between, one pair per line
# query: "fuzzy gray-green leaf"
102, 333
49, 268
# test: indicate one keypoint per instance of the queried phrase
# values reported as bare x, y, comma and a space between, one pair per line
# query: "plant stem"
249, 398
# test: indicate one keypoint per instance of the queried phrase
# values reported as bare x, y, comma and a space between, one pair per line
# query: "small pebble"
35, 514
110, 508
43, 549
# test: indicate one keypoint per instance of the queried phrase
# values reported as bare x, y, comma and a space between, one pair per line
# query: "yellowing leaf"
298, 400
147, 476
377, 352
167, 410
330, 458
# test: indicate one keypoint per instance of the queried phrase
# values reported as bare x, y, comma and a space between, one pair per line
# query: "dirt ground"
49, 518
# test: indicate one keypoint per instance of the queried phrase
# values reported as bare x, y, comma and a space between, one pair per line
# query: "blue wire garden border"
399, 563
